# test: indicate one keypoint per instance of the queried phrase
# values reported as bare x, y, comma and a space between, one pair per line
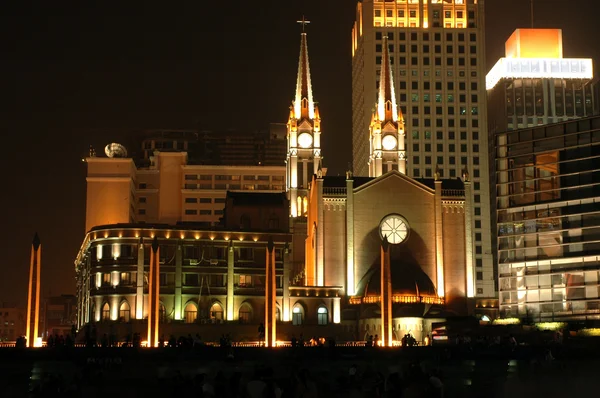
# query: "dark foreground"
302, 372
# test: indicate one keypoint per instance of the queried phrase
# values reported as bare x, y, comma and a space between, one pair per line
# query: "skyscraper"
534, 84
436, 53
548, 224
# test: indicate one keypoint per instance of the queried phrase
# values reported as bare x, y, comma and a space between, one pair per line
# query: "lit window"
322, 316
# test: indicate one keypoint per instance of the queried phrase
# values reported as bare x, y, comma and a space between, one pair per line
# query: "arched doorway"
245, 313
216, 312
191, 312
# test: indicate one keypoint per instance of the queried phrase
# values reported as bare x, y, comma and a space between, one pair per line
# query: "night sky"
71, 77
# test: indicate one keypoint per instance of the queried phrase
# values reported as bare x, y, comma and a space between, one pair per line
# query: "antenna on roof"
531, 1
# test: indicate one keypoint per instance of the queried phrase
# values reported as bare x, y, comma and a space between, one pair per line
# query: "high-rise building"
228, 147
534, 84
437, 51
548, 203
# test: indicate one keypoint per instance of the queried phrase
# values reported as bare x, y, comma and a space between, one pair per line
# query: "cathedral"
344, 257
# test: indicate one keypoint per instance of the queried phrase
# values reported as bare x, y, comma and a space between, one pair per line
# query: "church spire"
387, 109
303, 87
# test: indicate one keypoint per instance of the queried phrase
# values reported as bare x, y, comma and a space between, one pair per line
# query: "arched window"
299, 206
305, 205
297, 315
106, 312
191, 312
216, 312
277, 314
124, 312
322, 316
245, 313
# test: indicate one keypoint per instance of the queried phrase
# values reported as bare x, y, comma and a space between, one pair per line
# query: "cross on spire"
304, 22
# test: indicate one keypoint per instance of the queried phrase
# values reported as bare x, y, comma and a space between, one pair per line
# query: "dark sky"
71, 77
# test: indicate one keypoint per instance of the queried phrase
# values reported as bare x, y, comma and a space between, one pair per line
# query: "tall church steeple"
386, 132
303, 135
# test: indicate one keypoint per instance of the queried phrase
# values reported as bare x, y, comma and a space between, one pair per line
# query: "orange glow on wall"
535, 43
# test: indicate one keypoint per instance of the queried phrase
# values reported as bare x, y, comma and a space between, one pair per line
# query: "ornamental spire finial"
387, 108
302, 108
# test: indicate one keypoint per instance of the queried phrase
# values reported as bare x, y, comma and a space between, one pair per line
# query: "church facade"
321, 240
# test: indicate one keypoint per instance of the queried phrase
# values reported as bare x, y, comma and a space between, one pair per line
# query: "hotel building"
534, 84
437, 55
548, 201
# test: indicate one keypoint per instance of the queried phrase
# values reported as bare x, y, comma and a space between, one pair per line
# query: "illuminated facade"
294, 261
303, 137
386, 132
210, 277
548, 200
169, 189
437, 59
534, 84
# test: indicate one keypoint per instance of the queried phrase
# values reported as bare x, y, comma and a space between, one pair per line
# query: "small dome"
406, 278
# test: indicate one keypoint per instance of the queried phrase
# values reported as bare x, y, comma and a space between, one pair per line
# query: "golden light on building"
386, 295
154, 294
197, 236
33, 296
270, 298
537, 54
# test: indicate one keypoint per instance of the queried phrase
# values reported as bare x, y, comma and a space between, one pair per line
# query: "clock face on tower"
395, 227
388, 142
305, 140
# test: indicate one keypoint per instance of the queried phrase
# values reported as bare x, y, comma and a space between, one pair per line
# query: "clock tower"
303, 136
386, 132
